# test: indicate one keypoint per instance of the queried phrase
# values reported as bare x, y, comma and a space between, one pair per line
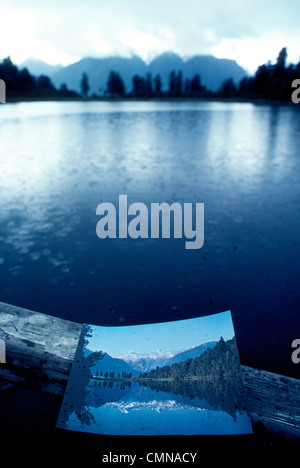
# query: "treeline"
21, 85
213, 376
111, 384
270, 82
150, 87
177, 87
112, 375
219, 362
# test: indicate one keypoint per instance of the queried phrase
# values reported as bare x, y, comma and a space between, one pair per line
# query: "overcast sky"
63, 31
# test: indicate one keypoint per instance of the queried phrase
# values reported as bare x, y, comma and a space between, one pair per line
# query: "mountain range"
135, 363
213, 71
108, 363
146, 363
38, 67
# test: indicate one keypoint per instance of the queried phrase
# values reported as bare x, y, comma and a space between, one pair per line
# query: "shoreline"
153, 99
132, 379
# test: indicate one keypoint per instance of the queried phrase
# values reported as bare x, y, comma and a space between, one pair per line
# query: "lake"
134, 409
59, 160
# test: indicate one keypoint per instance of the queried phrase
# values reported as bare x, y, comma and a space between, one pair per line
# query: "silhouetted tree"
139, 86
271, 82
228, 89
45, 86
281, 59
115, 84
178, 84
157, 84
196, 84
172, 83
84, 85
187, 87
142, 87
245, 88
148, 85
135, 84
175, 84
193, 88
262, 80
20, 84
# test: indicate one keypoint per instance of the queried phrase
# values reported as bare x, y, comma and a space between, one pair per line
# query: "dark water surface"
58, 161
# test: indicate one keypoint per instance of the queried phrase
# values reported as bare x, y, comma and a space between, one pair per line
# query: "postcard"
172, 378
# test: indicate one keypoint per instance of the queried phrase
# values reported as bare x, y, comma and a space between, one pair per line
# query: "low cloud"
64, 31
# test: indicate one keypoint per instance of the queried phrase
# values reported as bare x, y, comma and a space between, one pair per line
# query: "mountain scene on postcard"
150, 384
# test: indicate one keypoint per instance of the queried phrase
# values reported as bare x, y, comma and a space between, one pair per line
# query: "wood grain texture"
40, 350
273, 400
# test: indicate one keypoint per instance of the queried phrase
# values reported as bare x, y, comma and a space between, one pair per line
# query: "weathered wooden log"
273, 400
40, 349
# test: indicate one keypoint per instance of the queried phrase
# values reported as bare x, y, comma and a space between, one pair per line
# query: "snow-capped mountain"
109, 364
145, 362
135, 363
153, 405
